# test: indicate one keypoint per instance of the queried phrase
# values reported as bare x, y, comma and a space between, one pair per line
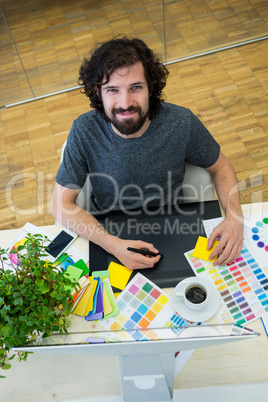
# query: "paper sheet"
255, 234
181, 359
243, 286
75, 253
143, 305
265, 322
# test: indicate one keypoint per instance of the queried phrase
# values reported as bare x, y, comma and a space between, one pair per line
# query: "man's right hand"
133, 260
83, 223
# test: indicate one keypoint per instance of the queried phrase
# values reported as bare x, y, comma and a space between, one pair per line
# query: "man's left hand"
230, 232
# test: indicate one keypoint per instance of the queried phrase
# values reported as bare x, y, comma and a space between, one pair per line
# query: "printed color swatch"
177, 321
259, 234
141, 305
14, 257
242, 285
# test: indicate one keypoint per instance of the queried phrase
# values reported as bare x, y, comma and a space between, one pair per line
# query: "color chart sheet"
256, 236
242, 285
143, 305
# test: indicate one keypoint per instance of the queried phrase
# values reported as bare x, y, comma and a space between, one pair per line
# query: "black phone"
60, 243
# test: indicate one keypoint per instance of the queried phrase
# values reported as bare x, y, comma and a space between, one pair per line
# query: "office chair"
197, 186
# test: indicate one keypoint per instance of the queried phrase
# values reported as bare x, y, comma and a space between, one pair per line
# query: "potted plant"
35, 297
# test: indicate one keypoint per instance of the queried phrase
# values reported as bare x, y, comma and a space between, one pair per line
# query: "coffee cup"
195, 295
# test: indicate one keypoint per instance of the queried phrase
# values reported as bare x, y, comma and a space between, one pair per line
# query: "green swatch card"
74, 274
80, 264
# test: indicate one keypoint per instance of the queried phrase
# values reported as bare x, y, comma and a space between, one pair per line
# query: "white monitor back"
155, 340
147, 365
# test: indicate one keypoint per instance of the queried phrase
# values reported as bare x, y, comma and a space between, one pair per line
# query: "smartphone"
60, 243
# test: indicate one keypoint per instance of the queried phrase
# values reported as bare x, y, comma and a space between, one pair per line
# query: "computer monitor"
147, 365
173, 230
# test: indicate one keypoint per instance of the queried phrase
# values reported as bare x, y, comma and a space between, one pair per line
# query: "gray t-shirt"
131, 173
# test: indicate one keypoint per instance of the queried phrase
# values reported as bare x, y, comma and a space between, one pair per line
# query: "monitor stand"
148, 377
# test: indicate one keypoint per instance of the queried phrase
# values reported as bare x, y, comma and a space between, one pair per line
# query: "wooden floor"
50, 38
227, 90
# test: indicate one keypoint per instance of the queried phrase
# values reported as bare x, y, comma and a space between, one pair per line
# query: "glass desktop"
146, 356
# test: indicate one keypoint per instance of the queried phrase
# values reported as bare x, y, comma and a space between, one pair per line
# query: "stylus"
144, 252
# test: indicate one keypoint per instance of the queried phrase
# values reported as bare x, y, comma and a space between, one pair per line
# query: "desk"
74, 378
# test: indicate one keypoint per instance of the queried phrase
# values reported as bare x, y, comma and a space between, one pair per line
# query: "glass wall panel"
44, 41
196, 26
53, 36
13, 80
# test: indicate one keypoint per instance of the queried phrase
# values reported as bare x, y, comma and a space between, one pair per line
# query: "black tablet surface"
173, 232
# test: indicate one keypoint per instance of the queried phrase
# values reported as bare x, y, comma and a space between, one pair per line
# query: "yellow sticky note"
119, 275
200, 250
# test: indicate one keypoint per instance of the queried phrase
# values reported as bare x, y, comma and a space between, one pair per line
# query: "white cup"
195, 295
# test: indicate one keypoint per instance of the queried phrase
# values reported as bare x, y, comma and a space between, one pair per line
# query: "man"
133, 146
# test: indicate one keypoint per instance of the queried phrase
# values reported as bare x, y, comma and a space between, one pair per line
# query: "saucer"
196, 315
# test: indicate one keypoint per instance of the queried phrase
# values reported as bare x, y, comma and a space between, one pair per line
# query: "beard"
129, 126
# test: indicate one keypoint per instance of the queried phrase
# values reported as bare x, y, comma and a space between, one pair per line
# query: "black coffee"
196, 295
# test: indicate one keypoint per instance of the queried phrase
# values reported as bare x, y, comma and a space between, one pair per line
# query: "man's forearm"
80, 221
227, 188
230, 230
228, 192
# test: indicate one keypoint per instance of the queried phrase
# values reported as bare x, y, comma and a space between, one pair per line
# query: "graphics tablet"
172, 231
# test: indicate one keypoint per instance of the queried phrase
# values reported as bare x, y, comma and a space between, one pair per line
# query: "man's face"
126, 101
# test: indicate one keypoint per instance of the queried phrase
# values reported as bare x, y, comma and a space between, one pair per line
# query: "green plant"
35, 297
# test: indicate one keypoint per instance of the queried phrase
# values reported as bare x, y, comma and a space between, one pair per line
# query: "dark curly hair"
116, 53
